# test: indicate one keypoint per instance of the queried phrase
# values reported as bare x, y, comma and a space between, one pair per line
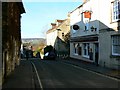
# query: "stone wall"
11, 36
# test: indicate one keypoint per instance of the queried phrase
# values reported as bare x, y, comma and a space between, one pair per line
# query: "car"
49, 56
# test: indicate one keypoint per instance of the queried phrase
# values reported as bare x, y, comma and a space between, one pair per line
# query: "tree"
67, 39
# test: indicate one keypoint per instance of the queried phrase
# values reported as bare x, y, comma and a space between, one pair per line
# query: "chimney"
53, 25
84, 1
59, 22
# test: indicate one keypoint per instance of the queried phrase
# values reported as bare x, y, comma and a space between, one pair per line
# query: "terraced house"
11, 35
95, 34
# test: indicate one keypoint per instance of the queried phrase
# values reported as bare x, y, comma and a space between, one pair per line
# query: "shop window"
79, 50
86, 49
76, 49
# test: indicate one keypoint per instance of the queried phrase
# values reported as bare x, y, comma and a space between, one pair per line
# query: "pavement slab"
21, 77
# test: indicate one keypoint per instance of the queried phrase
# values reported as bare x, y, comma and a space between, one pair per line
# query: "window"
116, 45
116, 10
77, 49
62, 34
86, 25
86, 49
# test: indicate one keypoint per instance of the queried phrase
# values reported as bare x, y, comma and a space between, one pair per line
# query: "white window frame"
115, 10
87, 49
116, 45
76, 45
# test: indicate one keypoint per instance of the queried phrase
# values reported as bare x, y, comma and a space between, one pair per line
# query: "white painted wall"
105, 13
77, 17
51, 37
101, 18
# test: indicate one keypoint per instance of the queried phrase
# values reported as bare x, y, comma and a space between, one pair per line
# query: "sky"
40, 14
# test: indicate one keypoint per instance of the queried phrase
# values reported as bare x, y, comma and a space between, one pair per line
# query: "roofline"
79, 6
53, 29
76, 8
21, 7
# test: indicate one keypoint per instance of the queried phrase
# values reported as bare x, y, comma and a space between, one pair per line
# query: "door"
96, 53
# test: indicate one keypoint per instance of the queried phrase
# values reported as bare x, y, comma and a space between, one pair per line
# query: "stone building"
55, 36
11, 36
109, 34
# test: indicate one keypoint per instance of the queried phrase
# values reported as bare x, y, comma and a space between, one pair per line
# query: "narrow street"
60, 44
36, 73
56, 74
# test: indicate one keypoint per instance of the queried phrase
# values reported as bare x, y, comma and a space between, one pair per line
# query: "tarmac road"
56, 74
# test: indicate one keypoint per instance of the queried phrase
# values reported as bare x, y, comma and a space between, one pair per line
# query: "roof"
59, 20
53, 23
79, 6
76, 8
53, 29
21, 7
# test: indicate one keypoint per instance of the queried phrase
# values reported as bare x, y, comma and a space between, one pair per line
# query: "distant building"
95, 32
11, 35
55, 36
32, 44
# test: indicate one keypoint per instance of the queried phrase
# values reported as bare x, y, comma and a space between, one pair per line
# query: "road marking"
40, 84
92, 71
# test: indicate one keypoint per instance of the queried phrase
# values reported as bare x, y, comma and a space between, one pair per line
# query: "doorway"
96, 53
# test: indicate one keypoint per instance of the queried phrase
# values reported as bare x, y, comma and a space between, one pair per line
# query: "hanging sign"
87, 14
75, 27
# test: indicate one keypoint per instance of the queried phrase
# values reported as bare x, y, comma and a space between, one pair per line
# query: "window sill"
75, 54
114, 56
85, 56
86, 30
115, 21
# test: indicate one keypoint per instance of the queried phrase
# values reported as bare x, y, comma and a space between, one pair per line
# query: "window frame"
87, 25
87, 47
76, 49
115, 43
115, 10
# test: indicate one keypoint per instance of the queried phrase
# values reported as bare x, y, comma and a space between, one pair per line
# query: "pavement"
93, 67
22, 76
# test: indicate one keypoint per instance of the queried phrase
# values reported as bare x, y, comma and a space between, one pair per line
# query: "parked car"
49, 52
49, 55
